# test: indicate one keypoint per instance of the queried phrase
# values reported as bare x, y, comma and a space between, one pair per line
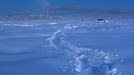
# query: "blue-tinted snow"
66, 47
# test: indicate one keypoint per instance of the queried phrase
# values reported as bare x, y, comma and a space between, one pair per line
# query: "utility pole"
46, 7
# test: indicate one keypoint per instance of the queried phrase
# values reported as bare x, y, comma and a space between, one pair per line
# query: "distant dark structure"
101, 20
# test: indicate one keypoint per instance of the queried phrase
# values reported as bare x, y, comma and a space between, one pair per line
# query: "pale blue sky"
35, 6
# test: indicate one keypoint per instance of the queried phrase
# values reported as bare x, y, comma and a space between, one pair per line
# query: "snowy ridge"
84, 61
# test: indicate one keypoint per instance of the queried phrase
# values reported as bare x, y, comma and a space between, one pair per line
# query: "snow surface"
66, 47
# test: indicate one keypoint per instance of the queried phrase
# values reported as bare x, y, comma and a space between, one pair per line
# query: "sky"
21, 7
